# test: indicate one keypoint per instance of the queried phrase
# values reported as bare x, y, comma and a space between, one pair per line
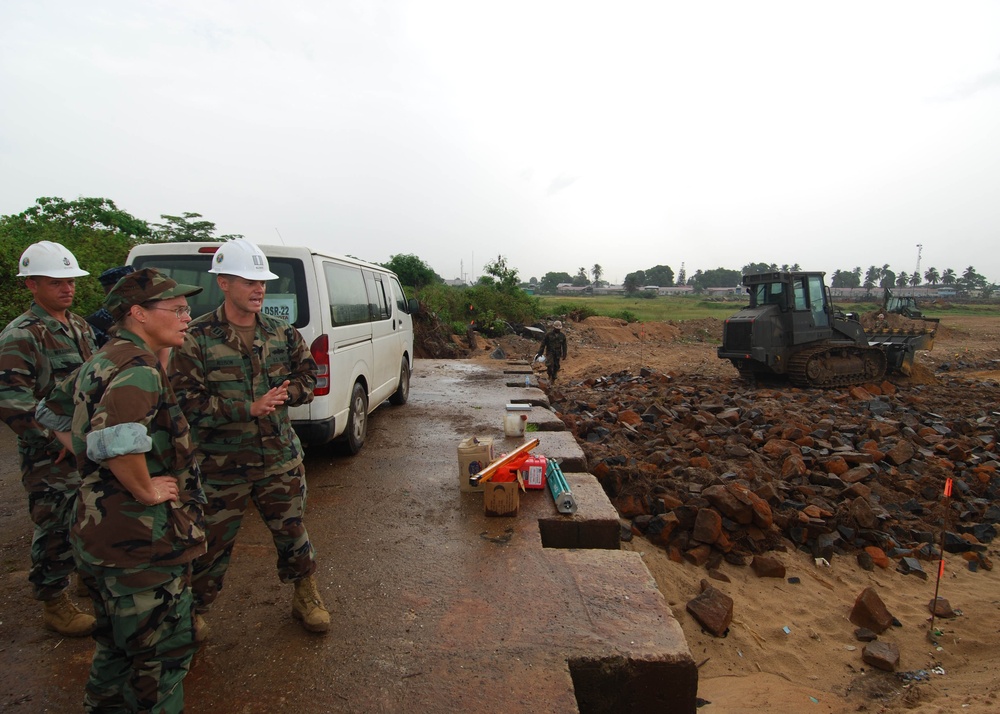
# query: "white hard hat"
49, 259
557, 324
241, 258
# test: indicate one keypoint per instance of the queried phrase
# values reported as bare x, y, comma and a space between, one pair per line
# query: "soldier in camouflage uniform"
553, 346
43, 345
139, 520
236, 375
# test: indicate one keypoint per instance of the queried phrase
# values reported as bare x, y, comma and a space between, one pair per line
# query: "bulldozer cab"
906, 306
767, 294
801, 297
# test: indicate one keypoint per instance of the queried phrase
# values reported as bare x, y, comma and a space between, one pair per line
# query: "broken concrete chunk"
884, 655
869, 611
713, 609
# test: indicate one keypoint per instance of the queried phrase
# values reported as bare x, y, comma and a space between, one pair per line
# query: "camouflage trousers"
53, 512
144, 638
281, 502
552, 366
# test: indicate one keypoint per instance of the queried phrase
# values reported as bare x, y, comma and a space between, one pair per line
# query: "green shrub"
489, 305
580, 311
626, 315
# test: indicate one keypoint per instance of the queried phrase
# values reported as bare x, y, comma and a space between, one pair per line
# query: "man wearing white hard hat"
37, 349
553, 348
235, 377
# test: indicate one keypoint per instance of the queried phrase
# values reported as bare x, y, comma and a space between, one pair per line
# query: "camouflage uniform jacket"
216, 378
120, 403
36, 351
554, 343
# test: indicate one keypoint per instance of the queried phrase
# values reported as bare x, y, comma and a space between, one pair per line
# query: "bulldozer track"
815, 366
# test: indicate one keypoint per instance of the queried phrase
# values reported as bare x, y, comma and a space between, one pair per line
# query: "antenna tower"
920, 248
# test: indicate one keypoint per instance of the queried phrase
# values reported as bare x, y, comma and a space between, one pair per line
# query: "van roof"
285, 251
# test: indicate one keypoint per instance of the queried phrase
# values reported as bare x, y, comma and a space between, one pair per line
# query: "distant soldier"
100, 320
139, 520
553, 347
236, 375
37, 349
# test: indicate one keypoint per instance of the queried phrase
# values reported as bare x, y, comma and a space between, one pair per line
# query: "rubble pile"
713, 470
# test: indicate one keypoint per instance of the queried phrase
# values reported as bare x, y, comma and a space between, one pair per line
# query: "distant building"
716, 292
675, 290
874, 294
610, 290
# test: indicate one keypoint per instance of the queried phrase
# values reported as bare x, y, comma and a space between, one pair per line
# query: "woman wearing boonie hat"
139, 512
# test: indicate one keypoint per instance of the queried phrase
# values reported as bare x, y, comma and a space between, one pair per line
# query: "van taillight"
320, 350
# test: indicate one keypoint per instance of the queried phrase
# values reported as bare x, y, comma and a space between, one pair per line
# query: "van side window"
348, 299
397, 290
377, 302
286, 297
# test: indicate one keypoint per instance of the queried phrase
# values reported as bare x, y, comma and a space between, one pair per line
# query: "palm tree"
597, 271
932, 276
972, 278
915, 279
872, 276
902, 280
948, 277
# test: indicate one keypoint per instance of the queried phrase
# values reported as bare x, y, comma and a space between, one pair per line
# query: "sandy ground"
791, 647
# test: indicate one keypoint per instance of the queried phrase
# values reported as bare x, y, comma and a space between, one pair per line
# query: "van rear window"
285, 297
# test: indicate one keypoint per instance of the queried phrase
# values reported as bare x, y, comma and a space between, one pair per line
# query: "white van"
353, 315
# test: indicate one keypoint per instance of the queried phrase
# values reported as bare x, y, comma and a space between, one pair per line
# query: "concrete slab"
594, 525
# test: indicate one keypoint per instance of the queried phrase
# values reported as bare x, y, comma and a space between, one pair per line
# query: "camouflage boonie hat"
142, 286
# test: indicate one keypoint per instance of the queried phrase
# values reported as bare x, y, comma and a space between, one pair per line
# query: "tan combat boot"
62, 616
308, 607
200, 628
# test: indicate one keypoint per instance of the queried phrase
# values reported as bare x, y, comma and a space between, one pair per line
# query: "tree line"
100, 235
884, 277
96, 231
875, 277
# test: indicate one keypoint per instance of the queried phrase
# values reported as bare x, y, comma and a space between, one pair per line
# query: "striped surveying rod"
931, 635
565, 503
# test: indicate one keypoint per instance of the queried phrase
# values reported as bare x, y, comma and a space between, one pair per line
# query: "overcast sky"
556, 134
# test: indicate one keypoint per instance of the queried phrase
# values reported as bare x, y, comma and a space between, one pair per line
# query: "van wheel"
357, 421
402, 393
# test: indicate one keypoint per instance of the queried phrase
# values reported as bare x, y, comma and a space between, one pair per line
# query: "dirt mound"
612, 331
708, 329
433, 339
919, 374
877, 319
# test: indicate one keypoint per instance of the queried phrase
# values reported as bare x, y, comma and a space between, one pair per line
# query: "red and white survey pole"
944, 529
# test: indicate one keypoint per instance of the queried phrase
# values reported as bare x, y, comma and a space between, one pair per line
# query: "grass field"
694, 307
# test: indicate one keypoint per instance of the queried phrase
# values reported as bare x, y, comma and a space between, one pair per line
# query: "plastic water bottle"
527, 380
